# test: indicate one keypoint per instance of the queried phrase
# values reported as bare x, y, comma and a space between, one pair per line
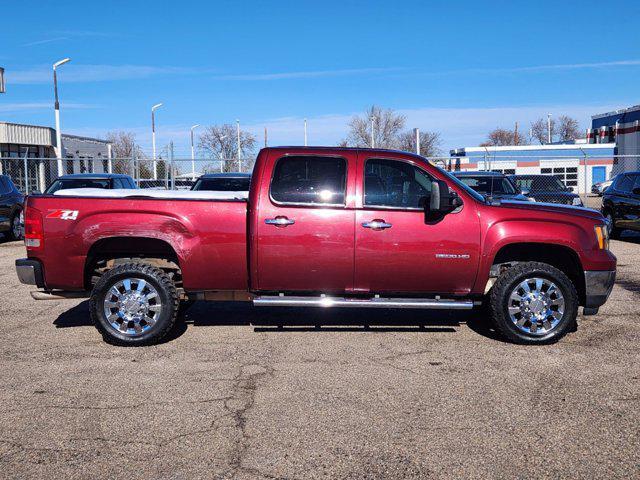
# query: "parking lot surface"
370, 394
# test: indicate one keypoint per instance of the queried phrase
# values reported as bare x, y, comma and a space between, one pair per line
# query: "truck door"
396, 251
305, 223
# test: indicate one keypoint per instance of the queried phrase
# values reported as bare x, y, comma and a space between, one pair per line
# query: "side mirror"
636, 191
524, 191
442, 201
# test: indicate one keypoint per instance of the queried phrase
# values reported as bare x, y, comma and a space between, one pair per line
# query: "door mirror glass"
636, 191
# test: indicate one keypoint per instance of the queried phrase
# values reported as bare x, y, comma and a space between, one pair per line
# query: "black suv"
11, 201
621, 204
92, 180
546, 188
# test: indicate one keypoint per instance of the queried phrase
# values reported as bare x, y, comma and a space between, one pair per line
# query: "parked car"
492, 184
223, 182
91, 180
621, 203
320, 227
600, 187
11, 201
546, 188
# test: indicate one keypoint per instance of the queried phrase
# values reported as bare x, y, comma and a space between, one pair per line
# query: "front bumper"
598, 285
30, 272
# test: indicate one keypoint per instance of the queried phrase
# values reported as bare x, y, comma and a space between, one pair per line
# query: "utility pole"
417, 132
515, 135
305, 132
239, 151
57, 112
153, 139
548, 128
193, 153
265, 137
373, 140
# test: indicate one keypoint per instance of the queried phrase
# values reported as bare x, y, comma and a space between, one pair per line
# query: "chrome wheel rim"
536, 306
132, 306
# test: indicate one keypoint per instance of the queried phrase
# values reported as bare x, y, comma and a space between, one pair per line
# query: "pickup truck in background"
320, 227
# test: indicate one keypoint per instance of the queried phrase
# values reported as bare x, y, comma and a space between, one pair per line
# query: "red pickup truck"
320, 227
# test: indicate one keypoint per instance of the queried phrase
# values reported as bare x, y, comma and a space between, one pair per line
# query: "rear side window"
310, 180
636, 184
626, 184
393, 183
4, 186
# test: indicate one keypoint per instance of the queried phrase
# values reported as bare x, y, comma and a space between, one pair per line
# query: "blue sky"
457, 67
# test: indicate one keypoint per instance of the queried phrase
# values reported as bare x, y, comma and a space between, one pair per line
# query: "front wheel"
134, 304
614, 232
533, 303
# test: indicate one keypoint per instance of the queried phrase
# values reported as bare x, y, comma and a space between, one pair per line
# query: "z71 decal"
63, 214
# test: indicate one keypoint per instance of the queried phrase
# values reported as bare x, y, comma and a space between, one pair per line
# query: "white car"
600, 187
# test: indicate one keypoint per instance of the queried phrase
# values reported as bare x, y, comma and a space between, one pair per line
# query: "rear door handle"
279, 221
377, 224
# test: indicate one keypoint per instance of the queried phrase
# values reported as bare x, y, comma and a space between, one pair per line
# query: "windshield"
78, 183
542, 183
489, 185
462, 185
223, 184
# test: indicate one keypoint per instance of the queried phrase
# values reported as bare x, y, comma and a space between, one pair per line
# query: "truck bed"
209, 237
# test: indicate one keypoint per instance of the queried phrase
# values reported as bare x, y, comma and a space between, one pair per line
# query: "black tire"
166, 317
15, 220
614, 232
499, 301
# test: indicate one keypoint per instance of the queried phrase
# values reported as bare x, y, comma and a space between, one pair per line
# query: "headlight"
602, 237
576, 202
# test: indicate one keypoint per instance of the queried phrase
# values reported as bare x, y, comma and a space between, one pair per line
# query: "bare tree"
386, 126
568, 129
220, 142
540, 130
123, 148
429, 143
503, 137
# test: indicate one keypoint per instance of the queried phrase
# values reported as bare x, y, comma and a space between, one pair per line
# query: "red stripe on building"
599, 161
530, 163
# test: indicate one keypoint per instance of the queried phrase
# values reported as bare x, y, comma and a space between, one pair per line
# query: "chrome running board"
376, 302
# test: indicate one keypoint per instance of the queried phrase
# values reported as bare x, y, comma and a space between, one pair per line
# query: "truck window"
393, 183
309, 180
625, 184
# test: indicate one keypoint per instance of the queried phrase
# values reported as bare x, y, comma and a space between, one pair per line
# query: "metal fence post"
26, 171
171, 165
586, 173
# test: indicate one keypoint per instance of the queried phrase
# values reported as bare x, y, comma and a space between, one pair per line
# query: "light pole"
239, 152
417, 132
57, 110
305, 132
548, 128
373, 140
193, 153
153, 139
222, 159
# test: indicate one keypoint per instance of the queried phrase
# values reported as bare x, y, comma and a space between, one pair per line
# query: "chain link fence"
566, 180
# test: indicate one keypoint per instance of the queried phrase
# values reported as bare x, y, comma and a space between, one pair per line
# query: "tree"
504, 137
386, 124
429, 143
221, 142
568, 129
123, 148
540, 130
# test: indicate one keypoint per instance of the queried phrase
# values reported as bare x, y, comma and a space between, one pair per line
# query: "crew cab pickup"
319, 227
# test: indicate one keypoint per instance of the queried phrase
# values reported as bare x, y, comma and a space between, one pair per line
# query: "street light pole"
193, 153
57, 111
548, 128
373, 140
417, 132
305, 132
239, 152
153, 139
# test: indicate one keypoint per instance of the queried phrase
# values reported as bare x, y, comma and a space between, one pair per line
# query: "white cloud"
31, 106
92, 73
42, 42
305, 74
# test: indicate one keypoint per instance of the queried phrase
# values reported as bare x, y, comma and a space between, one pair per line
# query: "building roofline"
80, 137
615, 112
524, 148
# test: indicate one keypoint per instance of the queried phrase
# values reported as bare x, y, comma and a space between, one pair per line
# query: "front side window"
625, 184
311, 180
489, 185
393, 183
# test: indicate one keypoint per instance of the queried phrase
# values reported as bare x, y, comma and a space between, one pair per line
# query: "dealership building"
579, 165
31, 149
623, 128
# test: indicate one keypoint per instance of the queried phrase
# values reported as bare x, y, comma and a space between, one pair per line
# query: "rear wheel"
16, 231
134, 304
614, 232
533, 303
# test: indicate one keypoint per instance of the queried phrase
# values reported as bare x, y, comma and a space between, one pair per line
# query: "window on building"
310, 180
505, 171
567, 175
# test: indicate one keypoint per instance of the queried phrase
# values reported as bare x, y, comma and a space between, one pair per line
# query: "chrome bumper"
30, 272
598, 285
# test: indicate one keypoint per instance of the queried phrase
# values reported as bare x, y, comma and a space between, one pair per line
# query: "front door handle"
377, 224
279, 221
